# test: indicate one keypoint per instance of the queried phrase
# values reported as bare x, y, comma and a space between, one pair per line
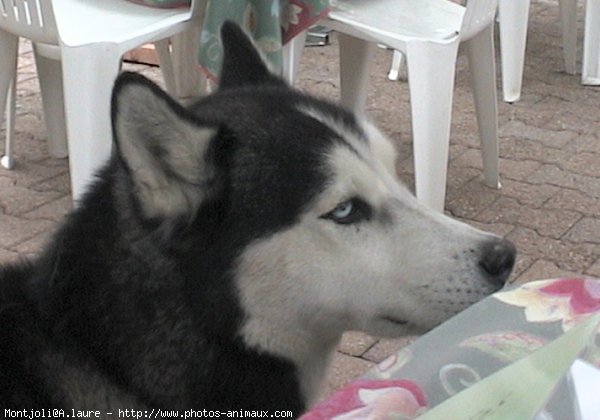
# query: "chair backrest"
478, 15
32, 19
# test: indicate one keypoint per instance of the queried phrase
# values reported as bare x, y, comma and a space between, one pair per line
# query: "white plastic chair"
514, 15
428, 33
89, 37
590, 73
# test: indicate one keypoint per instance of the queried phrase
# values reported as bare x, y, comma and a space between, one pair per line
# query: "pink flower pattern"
567, 300
372, 399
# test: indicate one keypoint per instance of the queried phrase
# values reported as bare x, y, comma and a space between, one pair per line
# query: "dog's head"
309, 219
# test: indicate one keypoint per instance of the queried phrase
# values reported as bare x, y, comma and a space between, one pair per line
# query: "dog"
224, 249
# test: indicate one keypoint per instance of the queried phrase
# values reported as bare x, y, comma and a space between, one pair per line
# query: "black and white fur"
223, 251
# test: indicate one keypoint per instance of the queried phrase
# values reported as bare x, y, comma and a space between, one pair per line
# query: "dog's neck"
310, 352
271, 347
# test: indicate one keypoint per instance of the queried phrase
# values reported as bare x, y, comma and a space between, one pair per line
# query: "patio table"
519, 343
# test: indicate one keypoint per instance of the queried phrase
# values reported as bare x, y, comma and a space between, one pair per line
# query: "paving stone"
60, 183
471, 199
7, 256
594, 269
571, 92
509, 169
33, 246
464, 134
16, 200
517, 170
572, 121
526, 194
459, 176
386, 347
500, 229
543, 269
587, 142
356, 343
586, 230
471, 157
567, 115
549, 138
54, 210
29, 98
516, 148
567, 199
547, 222
553, 175
522, 264
584, 163
344, 369
405, 166
15, 230
30, 174
568, 256
457, 150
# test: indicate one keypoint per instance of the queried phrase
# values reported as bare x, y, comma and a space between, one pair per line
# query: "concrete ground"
549, 205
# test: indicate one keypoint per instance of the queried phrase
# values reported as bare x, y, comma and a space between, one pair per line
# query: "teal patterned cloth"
271, 23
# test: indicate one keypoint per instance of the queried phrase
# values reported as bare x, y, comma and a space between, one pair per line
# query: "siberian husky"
223, 251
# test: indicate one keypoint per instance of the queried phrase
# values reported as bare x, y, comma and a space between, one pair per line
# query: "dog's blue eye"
350, 211
343, 210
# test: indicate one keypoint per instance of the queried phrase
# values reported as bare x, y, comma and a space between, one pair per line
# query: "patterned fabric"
163, 4
499, 331
562, 300
271, 23
368, 399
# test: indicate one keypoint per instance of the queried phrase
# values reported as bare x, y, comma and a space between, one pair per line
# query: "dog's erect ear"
242, 63
162, 146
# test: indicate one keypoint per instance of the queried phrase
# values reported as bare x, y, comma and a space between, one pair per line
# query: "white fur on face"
406, 267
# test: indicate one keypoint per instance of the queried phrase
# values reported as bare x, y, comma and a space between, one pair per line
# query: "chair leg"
292, 53
180, 71
190, 82
431, 70
356, 57
51, 87
163, 50
396, 72
514, 15
590, 74
9, 45
568, 19
480, 51
8, 161
88, 76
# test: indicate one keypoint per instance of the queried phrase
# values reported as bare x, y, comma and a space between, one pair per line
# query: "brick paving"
549, 205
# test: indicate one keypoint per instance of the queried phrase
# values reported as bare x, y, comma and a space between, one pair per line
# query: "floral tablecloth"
272, 23
492, 335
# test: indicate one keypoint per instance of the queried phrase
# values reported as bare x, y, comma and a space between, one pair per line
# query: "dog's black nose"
498, 259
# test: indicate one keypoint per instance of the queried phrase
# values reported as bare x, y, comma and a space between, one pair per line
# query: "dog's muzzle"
497, 260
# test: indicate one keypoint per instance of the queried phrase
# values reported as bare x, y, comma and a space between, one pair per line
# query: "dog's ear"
242, 63
162, 146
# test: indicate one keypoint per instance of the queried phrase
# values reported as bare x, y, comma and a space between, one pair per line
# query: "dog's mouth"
393, 327
394, 320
